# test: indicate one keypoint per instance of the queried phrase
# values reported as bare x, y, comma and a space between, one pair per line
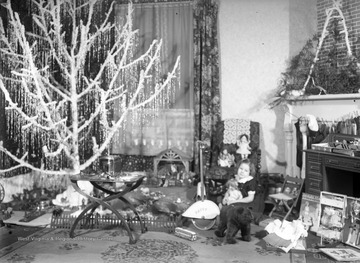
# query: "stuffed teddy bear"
234, 219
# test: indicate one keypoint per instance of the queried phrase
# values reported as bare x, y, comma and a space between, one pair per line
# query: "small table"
130, 184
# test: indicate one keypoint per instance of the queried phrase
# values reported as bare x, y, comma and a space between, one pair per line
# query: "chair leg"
277, 205
273, 209
287, 214
289, 210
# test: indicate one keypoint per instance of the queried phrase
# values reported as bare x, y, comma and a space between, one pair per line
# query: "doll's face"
243, 139
145, 191
225, 151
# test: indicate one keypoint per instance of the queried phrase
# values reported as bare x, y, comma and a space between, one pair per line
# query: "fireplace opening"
342, 182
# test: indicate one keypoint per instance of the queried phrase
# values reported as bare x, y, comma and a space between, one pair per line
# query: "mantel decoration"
336, 73
60, 77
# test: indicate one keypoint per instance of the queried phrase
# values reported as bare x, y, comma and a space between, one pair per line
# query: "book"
341, 254
332, 216
290, 191
310, 210
352, 224
292, 188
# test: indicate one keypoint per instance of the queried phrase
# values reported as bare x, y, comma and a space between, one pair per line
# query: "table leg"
142, 224
79, 217
103, 202
123, 199
132, 240
128, 189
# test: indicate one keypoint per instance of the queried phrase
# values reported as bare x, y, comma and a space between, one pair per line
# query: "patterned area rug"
54, 245
150, 250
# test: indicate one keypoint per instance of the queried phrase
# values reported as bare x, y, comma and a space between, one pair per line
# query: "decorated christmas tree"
61, 77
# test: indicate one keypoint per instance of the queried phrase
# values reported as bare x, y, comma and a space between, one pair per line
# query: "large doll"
244, 148
233, 193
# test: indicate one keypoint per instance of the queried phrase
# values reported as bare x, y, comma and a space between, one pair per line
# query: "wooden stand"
96, 181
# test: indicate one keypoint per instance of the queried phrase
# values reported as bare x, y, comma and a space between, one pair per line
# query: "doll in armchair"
226, 159
244, 146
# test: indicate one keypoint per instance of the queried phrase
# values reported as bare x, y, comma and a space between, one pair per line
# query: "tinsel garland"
32, 142
130, 79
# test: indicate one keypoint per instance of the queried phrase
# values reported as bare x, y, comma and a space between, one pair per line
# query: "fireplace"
328, 108
332, 172
341, 181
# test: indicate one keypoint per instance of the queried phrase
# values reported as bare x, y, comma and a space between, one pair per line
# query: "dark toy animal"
232, 220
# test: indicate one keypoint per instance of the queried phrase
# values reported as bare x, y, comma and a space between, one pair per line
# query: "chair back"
226, 134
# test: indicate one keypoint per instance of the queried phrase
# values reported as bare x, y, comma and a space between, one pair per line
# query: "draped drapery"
204, 99
170, 121
206, 71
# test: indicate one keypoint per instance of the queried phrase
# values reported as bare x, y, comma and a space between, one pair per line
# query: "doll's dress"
243, 148
226, 160
232, 195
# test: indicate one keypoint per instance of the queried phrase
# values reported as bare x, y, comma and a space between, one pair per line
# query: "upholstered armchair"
226, 137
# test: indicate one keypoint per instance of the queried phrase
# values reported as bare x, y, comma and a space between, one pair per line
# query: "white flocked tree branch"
55, 87
333, 12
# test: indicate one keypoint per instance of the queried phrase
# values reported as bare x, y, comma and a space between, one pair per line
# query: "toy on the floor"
57, 211
203, 212
354, 227
286, 235
185, 233
233, 220
331, 217
71, 198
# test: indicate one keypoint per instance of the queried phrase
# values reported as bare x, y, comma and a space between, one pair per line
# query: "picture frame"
331, 220
352, 226
341, 254
310, 210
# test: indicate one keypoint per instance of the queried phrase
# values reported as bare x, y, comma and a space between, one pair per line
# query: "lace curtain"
149, 131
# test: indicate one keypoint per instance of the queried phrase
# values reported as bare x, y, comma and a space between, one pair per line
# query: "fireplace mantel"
328, 108
352, 96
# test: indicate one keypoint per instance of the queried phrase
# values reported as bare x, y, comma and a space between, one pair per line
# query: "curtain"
149, 131
206, 71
